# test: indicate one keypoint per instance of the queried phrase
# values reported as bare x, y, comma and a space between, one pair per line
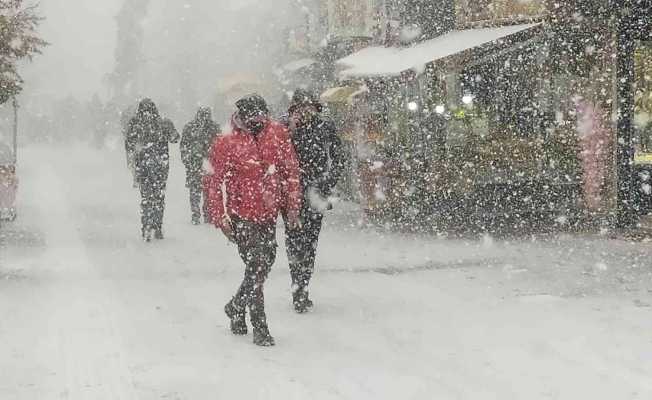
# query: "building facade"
539, 104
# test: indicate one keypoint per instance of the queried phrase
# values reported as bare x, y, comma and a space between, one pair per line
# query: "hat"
304, 97
252, 105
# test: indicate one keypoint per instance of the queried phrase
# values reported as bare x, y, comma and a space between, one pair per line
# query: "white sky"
82, 34
82, 37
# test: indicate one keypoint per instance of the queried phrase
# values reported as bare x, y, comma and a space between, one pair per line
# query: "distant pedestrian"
321, 161
198, 135
149, 135
254, 172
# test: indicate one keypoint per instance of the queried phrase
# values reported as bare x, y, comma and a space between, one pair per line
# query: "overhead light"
412, 106
467, 99
440, 109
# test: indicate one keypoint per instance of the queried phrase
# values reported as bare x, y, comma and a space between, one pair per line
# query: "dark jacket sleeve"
289, 170
214, 132
185, 147
337, 158
131, 138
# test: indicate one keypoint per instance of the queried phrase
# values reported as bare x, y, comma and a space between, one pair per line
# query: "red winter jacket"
260, 175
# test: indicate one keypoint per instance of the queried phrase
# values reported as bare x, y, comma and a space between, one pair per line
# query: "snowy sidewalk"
87, 311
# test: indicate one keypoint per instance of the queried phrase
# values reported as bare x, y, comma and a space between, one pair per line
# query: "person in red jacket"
254, 174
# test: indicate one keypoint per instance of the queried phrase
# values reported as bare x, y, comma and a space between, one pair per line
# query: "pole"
15, 128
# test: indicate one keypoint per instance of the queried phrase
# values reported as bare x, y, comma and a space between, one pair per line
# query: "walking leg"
257, 247
195, 198
146, 209
160, 207
302, 250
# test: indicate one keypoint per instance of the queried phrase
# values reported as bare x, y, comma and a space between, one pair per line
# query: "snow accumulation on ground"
89, 312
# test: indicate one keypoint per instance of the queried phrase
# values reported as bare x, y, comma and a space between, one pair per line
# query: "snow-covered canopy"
391, 61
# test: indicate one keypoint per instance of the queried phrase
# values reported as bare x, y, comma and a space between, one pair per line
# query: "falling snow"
447, 200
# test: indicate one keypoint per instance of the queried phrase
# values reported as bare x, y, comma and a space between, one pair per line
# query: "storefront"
462, 125
535, 119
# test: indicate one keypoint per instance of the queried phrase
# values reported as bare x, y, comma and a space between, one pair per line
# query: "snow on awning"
297, 65
392, 61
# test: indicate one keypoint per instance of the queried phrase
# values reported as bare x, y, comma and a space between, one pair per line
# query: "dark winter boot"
158, 234
147, 235
262, 337
196, 220
302, 304
237, 317
261, 330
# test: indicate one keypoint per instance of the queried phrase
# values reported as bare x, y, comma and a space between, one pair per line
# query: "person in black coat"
321, 160
198, 136
148, 138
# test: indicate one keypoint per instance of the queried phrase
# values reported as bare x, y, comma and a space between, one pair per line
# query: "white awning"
392, 61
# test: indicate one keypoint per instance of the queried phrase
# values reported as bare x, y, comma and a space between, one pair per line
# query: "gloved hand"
226, 226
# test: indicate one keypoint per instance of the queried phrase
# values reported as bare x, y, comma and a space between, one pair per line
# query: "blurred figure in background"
198, 135
148, 137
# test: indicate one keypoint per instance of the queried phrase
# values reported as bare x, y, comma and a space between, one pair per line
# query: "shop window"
506, 92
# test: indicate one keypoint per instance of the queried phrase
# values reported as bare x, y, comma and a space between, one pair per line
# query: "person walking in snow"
321, 161
253, 172
149, 136
198, 135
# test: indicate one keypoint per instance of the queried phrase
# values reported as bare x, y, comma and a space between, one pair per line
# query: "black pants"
257, 248
197, 207
152, 203
301, 247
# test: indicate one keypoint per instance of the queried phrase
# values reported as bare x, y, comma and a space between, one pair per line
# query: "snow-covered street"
89, 311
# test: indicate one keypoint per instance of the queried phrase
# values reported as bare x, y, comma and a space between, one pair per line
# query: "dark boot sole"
303, 306
302, 310
266, 341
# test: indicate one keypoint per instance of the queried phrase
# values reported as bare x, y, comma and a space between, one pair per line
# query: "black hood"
252, 105
147, 108
204, 115
302, 97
